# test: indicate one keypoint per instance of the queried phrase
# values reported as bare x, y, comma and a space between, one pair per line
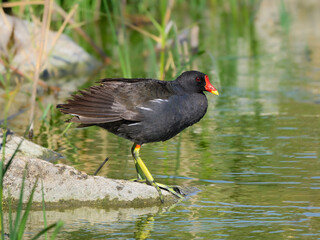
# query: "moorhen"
143, 111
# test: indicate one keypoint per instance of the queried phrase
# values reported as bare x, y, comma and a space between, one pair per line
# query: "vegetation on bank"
116, 32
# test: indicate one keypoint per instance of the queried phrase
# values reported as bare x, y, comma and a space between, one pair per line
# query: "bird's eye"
198, 79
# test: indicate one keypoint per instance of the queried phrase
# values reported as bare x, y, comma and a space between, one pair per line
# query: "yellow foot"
172, 189
144, 176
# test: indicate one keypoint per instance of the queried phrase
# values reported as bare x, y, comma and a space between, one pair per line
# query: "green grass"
18, 224
106, 22
121, 46
285, 18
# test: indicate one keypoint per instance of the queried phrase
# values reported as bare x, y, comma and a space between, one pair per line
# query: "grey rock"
19, 45
27, 148
66, 187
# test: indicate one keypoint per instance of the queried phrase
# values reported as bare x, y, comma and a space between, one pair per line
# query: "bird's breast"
165, 118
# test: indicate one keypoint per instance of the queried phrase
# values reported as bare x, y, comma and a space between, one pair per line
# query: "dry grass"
43, 42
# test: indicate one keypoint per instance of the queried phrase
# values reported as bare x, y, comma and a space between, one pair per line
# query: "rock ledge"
66, 187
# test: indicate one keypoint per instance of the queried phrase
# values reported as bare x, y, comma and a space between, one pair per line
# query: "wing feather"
97, 104
114, 100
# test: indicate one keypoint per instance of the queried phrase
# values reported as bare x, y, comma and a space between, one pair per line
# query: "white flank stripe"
159, 100
133, 124
147, 109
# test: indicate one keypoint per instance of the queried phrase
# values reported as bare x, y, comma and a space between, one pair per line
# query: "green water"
255, 156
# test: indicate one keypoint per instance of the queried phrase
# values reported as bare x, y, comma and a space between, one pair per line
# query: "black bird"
143, 111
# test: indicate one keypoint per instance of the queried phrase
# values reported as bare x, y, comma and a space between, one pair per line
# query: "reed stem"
43, 42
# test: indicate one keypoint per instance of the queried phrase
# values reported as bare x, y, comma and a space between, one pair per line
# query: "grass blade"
189, 62
66, 129
122, 50
5, 169
24, 219
154, 22
44, 231
46, 20
10, 215
45, 112
19, 208
56, 230
44, 212
57, 226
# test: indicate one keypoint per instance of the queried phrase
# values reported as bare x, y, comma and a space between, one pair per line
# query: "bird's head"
194, 81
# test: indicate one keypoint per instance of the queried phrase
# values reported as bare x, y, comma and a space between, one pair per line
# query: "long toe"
174, 190
158, 189
138, 180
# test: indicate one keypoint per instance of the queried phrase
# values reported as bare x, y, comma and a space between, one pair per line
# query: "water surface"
254, 156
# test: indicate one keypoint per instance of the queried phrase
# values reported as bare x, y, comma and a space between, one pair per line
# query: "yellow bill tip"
215, 92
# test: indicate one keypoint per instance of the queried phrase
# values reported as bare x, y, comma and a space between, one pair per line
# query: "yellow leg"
140, 174
145, 176
143, 171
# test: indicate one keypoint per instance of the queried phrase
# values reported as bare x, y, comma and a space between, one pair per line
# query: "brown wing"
114, 100
97, 104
